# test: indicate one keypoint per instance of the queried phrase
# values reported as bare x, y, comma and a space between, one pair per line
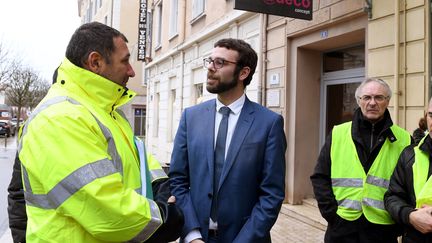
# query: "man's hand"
421, 219
171, 199
197, 241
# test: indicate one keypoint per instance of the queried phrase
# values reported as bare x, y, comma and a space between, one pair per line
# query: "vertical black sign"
299, 9
142, 30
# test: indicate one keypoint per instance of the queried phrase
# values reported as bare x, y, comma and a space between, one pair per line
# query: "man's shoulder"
261, 110
407, 155
201, 106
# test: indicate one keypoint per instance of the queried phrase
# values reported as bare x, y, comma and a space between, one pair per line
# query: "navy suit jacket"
252, 185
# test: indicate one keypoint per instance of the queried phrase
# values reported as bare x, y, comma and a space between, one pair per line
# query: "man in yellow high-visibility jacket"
86, 177
354, 169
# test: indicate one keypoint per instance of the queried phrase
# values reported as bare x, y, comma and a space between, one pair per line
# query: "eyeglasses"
217, 62
377, 98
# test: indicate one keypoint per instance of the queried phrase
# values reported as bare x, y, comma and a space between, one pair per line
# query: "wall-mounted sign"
299, 9
142, 30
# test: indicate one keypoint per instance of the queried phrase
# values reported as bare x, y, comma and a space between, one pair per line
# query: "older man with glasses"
354, 168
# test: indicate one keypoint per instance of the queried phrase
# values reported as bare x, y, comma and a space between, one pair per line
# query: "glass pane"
341, 104
353, 57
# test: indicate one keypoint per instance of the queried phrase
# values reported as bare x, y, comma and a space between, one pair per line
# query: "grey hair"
377, 80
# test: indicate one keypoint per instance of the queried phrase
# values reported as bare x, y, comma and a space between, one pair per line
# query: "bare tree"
24, 88
6, 66
38, 90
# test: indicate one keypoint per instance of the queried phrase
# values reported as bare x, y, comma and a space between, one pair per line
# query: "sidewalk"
299, 224
295, 224
6, 237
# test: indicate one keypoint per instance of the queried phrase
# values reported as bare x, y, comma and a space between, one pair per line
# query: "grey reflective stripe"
27, 185
71, 184
373, 203
157, 174
352, 204
152, 226
347, 182
122, 114
40, 108
377, 181
112, 149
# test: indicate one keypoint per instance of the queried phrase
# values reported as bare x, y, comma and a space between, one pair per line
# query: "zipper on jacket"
372, 140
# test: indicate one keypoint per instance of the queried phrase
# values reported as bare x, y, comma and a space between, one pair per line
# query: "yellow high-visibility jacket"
356, 192
80, 165
421, 182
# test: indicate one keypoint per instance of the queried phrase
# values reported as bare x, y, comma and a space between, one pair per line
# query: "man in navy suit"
236, 198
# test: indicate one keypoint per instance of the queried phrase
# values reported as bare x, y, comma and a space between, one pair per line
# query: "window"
173, 19
159, 25
171, 115
95, 7
156, 107
353, 57
197, 8
198, 93
140, 115
106, 19
91, 11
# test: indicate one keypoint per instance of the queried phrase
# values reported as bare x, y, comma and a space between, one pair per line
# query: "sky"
38, 31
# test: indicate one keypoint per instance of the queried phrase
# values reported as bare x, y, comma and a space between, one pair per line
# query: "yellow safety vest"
80, 166
356, 192
422, 184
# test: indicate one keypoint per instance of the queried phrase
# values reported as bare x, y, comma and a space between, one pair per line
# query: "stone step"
307, 213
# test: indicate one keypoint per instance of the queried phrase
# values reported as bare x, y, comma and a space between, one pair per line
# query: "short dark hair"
247, 57
91, 37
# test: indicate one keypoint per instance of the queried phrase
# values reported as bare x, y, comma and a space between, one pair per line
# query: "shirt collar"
235, 107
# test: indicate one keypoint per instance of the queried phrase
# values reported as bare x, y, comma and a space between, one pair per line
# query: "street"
7, 156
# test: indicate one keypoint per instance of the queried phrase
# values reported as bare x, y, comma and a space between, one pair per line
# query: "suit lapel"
209, 119
243, 125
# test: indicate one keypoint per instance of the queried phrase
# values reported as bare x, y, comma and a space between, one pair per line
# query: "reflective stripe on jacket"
356, 192
80, 165
422, 184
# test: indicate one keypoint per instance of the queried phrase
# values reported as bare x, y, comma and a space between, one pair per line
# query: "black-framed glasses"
377, 98
217, 62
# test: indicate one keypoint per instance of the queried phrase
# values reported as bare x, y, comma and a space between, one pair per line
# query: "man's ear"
244, 73
94, 62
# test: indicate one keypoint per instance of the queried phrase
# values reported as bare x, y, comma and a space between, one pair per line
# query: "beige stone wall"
408, 31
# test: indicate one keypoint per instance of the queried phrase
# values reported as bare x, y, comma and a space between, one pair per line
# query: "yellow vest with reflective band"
80, 166
356, 192
422, 184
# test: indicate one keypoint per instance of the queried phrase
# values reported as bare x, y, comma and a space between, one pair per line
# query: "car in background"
6, 128
15, 123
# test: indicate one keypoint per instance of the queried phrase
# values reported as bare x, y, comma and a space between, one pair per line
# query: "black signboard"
142, 30
299, 9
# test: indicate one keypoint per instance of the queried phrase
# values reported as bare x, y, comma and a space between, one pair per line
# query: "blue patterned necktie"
219, 158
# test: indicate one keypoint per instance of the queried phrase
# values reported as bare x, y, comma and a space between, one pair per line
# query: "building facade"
123, 16
307, 70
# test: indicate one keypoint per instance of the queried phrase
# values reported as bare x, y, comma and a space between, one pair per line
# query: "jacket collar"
360, 124
83, 84
426, 144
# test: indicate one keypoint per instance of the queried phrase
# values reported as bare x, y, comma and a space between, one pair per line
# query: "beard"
221, 87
